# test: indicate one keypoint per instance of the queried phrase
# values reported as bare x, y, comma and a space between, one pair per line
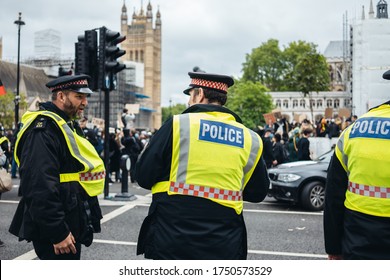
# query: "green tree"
249, 100
7, 108
299, 55
278, 69
294, 51
299, 67
265, 65
311, 75
168, 112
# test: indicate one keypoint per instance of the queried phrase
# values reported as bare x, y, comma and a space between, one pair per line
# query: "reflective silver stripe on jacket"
253, 154
184, 129
71, 138
206, 192
184, 143
370, 191
340, 146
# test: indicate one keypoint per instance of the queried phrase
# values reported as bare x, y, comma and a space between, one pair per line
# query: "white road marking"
9, 201
284, 212
302, 255
27, 256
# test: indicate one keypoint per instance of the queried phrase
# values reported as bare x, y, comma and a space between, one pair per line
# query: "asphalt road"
276, 231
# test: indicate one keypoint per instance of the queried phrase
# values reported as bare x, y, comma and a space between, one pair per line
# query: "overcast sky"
215, 35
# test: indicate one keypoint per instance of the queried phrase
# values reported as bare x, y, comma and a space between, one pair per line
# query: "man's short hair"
213, 95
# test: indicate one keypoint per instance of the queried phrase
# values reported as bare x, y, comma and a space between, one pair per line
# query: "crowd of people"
122, 141
126, 140
288, 142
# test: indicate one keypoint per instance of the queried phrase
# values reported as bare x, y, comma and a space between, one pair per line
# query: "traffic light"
86, 57
109, 52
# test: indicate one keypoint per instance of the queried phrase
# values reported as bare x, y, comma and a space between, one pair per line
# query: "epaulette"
40, 123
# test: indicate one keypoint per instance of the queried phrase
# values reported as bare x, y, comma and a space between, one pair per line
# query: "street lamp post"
19, 23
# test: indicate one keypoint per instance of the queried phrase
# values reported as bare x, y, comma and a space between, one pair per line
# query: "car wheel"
313, 196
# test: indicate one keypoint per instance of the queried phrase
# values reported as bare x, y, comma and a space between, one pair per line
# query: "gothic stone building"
143, 45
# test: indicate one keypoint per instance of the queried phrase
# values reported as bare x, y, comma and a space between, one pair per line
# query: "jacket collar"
49, 106
197, 108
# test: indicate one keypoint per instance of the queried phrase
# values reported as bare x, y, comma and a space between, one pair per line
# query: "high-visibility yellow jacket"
3, 139
92, 176
236, 150
360, 150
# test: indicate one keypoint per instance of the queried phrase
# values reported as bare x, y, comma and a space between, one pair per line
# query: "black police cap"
216, 82
76, 83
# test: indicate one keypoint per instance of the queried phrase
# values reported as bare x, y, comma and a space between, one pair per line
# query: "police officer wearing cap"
200, 166
61, 174
357, 199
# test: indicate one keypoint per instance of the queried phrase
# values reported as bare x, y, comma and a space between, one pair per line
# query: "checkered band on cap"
89, 176
205, 192
370, 191
79, 83
210, 84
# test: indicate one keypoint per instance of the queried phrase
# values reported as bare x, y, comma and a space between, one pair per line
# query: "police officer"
61, 174
201, 165
89, 134
357, 200
5, 145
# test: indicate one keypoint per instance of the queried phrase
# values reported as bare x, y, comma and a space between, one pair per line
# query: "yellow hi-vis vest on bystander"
363, 150
213, 157
92, 177
3, 139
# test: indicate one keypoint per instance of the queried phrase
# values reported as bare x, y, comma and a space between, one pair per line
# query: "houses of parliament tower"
143, 45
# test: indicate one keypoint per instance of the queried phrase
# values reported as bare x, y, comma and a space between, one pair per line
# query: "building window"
302, 103
136, 56
142, 56
285, 103
336, 103
313, 103
319, 103
295, 103
278, 103
329, 103
131, 55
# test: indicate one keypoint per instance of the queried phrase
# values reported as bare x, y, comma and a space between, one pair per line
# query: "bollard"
125, 166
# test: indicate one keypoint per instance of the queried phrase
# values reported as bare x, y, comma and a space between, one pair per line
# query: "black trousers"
45, 251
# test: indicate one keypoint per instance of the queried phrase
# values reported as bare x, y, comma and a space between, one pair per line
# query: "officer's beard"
72, 111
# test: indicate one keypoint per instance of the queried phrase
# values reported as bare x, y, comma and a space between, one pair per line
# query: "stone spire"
124, 13
371, 13
158, 18
141, 13
149, 13
363, 13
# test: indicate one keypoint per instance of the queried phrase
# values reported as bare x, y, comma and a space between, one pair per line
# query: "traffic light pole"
107, 141
106, 65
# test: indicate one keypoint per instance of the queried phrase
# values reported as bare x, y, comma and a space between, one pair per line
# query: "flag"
2, 89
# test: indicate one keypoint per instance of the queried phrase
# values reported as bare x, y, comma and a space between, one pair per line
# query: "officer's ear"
201, 96
61, 96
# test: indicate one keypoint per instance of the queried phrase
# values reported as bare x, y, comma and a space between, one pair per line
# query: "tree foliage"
7, 109
265, 65
249, 100
298, 67
168, 112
